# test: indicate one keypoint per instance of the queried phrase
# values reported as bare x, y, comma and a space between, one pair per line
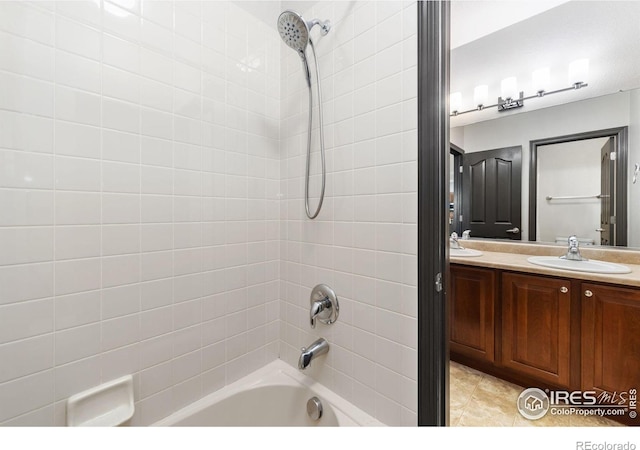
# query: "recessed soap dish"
107, 405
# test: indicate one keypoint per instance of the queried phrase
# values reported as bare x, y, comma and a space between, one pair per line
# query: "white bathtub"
275, 395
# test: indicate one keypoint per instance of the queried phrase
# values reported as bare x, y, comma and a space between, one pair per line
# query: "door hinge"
438, 282
613, 156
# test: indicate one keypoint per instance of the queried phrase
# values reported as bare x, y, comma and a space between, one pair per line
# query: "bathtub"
273, 396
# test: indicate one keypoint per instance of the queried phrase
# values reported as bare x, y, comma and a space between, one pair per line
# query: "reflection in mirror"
553, 36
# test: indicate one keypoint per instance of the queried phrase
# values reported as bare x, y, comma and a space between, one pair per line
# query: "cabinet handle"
588, 293
564, 289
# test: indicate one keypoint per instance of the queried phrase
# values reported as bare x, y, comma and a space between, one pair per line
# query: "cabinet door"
471, 312
536, 324
610, 338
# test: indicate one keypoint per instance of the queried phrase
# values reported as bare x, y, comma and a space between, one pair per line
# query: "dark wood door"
607, 191
491, 187
536, 323
471, 312
610, 338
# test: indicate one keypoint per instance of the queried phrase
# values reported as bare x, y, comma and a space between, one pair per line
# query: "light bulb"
455, 101
480, 95
509, 88
579, 71
541, 79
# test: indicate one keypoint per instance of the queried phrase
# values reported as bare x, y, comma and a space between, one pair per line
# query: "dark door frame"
433, 212
458, 204
620, 134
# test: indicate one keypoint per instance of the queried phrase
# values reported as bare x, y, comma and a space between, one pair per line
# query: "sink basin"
590, 265
464, 252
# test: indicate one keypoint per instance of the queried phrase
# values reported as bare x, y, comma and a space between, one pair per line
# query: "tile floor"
478, 399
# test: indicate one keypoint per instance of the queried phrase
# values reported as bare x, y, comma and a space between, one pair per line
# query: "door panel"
491, 191
536, 323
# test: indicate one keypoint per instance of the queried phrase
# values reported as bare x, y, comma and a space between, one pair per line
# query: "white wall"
139, 174
363, 244
519, 129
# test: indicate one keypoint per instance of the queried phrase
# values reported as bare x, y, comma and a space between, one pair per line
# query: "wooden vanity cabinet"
610, 338
536, 327
471, 312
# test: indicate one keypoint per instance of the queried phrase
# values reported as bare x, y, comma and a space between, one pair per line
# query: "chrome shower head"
294, 31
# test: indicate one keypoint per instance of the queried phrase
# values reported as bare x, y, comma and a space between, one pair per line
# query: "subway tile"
77, 208
26, 319
72, 139
25, 394
77, 276
118, 146
120, 84
156, 322
88, 12
26, 245
120, 301
76, 38
121, 116
120, 362
77, 72
120, 53
77, 343
120, 22
25, 170
26, 282
120, 208
75, 174
120, 270
155, 294
25, 132
26, 57
77, 309
26, 95
76, 377
118, 177
77, 106
120, 332
72, 242
23, 20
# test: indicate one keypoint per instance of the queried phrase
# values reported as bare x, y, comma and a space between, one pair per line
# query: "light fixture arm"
509, 103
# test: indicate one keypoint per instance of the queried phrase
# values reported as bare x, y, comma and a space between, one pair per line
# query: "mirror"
504, 39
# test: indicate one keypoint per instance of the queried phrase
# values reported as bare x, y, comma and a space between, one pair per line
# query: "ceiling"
514, 38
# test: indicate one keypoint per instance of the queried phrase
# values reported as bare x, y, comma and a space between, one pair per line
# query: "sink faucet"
573, 252
319, 347
453, 241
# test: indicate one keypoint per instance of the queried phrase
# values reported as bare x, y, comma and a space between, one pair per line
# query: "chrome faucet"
573, 252
319, 347
453, 241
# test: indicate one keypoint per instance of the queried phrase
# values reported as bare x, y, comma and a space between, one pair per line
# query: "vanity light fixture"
511, 98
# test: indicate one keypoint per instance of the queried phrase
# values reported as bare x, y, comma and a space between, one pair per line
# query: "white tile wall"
152, 159
363, 242
139, 176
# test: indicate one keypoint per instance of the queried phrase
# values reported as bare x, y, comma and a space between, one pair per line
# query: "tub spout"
319, 347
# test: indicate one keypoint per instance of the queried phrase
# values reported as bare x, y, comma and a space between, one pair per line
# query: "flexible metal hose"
322, 157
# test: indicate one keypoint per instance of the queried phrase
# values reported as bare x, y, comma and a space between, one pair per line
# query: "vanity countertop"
517, 261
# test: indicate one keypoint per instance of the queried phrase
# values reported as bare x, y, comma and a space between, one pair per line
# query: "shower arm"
325, 26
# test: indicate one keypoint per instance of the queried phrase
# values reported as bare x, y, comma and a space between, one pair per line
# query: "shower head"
294, 30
